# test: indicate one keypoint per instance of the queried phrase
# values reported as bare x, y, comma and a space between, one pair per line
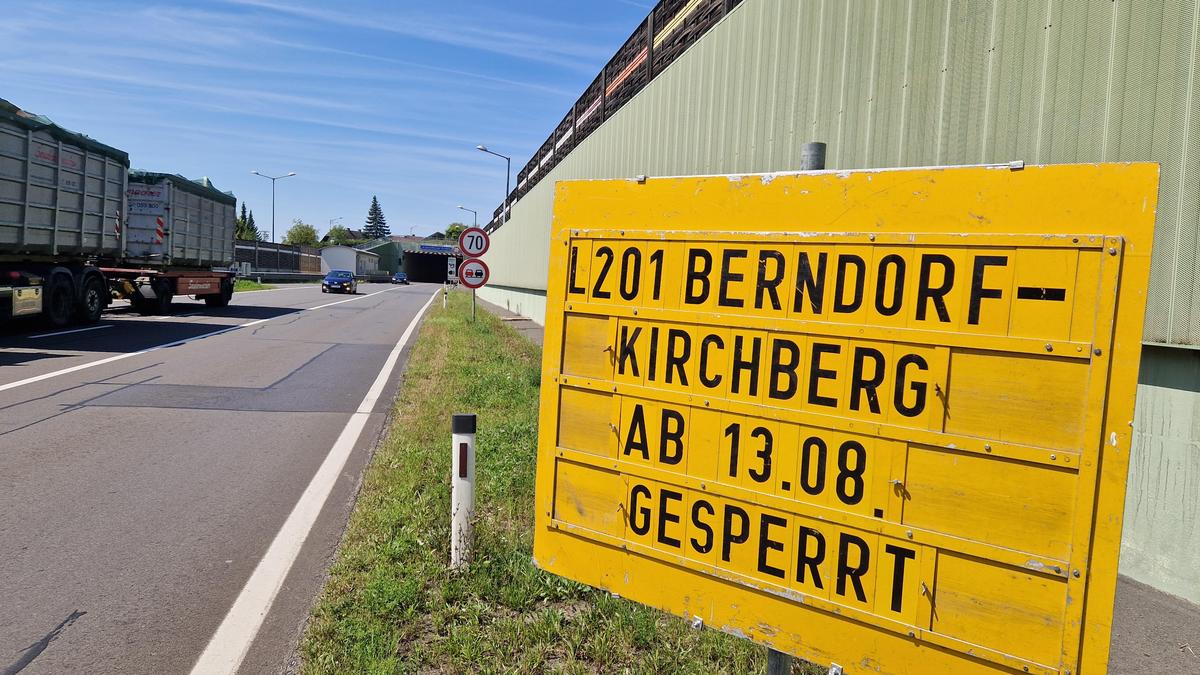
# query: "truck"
78, 229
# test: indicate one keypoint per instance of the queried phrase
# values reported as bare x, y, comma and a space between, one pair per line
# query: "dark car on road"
400, 278
339, 281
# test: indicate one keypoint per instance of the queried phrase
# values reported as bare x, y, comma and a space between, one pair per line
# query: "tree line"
305, 234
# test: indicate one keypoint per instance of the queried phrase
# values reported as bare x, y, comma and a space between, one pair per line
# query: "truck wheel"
59, 302
162, 304
91, 305
220, 299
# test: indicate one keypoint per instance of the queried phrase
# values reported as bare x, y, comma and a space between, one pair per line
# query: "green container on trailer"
61, 193
177, 222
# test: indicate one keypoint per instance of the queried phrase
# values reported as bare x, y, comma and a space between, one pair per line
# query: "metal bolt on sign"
462, 489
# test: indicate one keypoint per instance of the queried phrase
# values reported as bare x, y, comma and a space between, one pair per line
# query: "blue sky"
358, 97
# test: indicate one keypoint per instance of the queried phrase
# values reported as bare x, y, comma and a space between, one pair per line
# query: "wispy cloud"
384, 97
457, 30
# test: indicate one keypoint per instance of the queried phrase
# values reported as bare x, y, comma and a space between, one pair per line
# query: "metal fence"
670, 28
268, 257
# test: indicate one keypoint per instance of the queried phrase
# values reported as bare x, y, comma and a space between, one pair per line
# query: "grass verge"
390, 605
250, 285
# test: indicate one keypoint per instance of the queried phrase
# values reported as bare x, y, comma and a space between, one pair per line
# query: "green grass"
250, 285
391, 606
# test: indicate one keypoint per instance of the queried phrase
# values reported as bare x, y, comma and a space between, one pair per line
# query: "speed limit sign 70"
473, 242
472, 273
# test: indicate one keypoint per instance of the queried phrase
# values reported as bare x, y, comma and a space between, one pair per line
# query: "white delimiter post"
462, 490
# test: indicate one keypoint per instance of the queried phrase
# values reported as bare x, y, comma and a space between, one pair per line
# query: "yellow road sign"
879, 419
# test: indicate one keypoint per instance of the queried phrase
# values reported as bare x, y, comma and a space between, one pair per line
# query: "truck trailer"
79, 229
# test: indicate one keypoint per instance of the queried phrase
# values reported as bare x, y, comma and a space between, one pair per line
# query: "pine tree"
251, 228
377, 227
243, 228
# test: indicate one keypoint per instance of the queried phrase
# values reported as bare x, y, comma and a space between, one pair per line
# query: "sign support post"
474, 242
812, 158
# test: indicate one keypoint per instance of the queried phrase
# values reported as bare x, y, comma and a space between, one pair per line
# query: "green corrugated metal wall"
929, 82
918, 82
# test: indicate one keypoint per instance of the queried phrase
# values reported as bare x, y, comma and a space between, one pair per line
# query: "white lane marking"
68, 332
272, 290
357, 297
241, 624
120, 357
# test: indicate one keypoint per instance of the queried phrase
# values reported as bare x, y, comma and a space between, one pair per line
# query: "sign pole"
462, 489
472, 304
812, 158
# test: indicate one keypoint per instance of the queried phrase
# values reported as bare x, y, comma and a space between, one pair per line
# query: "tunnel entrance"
427, 267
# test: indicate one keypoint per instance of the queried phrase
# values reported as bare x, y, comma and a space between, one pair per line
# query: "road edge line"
233, 637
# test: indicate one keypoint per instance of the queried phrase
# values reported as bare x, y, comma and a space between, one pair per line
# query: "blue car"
400, 278
339, 281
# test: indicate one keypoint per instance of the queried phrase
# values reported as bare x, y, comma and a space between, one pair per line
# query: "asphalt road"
138, 494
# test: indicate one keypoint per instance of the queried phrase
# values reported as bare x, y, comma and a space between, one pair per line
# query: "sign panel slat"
881, 416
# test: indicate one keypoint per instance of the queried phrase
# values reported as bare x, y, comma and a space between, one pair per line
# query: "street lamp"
474, 215
507, 174
273, 179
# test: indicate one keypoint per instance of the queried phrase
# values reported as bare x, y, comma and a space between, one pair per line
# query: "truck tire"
220, 299
162, 303
91, 301
59, 304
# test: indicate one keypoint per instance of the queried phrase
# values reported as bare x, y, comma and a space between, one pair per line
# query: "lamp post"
507, 175
273, 179
474, 215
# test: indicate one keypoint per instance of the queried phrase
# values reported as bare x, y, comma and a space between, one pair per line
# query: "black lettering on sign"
854, 572
639, 516
897, 276
698, 506
626, 352
809, 559
697, 275
728, 276
763, 473
656, 259
816, 373
766, 543
714, 381
853, 476
784, 369
1039, 293
810, 283
768, 284
652, 371
813, 445
840, 304
606, 253
665, 516
676, 359
901, 556
926, 293
631, 273
728, 538
860, 384
749, 365
635, 438
670, 433
919, 388
573, 287
978, 292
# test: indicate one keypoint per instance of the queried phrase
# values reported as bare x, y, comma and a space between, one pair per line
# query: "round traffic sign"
474, 242
472, 273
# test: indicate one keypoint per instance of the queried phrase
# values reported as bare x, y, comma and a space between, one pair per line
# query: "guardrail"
264, 276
